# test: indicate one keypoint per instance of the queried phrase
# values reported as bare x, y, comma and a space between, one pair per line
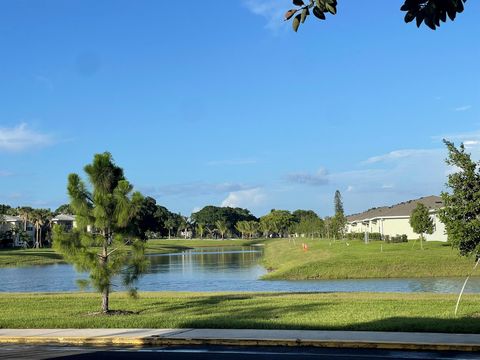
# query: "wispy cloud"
232, 162
245, 198
271, 10
45, 81
195, 189
23, 137
319, 178
400, 154
463, 108
4, 173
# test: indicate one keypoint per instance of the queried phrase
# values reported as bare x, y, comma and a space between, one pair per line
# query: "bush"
361, 236
396, 239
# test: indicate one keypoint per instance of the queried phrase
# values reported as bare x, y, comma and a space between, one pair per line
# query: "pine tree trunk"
105, 296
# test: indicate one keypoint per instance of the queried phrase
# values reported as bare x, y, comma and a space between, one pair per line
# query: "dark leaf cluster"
432, 12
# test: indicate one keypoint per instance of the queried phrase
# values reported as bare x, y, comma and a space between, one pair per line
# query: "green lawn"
28, 257
162, 245
337, 260
341, 311
46, 256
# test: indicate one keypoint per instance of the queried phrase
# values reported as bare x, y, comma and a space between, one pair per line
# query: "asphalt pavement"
219, 353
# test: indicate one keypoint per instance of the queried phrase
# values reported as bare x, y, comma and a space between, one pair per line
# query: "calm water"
217, 269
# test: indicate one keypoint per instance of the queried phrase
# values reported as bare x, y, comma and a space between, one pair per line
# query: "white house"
394, 220
66, 221
12, 223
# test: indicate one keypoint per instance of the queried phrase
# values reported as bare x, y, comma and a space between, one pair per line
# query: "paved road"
218, 353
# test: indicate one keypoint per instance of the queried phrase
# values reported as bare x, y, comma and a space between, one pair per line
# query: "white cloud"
319, 178
400, 154
195, 189
271, 10
245, 198
463, 108
22, 137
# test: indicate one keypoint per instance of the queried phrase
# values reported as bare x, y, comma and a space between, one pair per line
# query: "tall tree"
421, 222
431, 12
461, 212
339, 220
171, 225
222, 228
108, 250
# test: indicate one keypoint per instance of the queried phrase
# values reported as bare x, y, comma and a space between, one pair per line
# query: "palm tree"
241, 226
170, 225
201, 230
221, 227
252, 228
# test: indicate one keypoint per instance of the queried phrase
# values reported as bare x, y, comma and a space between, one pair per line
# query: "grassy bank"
46, 256
161, 246
28, 257
326, 260
357, 311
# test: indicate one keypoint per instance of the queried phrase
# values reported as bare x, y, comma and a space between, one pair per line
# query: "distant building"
16, 223
394, 220
66, 221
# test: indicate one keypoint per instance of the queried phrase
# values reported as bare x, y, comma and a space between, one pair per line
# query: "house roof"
64, 217
9, 218
402, 209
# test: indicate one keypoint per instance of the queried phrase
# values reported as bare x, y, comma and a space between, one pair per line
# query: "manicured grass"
46, 256
334, 311
161, 246
337, 260
28, 257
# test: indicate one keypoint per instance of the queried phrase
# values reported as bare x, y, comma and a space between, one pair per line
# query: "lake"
218, 269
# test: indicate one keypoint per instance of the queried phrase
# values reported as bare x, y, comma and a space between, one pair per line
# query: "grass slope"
326, 260
46, 256
353, 311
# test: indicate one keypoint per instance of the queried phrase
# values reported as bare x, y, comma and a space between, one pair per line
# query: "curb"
165, 341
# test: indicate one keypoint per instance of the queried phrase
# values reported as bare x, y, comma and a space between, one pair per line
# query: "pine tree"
339, 221
101, 245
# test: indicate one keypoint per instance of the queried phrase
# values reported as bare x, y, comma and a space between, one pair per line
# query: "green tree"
201, 230
421, 222
171, 225
339, 221
108, 250
242, 227
277, 222
431, 12
209, 215
64, 209
41, 218
222, 228
461, 212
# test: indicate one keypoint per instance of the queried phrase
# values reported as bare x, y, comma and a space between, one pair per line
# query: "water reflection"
219, 269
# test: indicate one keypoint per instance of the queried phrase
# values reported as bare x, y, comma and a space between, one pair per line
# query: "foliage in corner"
319, 9
430, 12
461, 213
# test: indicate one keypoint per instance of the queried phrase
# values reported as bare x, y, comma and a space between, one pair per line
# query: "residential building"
394, 220
66, 221
17, 224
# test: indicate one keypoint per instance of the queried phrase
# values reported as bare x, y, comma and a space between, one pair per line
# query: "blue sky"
225, 105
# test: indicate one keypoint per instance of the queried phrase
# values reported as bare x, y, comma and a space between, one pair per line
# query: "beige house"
394, 220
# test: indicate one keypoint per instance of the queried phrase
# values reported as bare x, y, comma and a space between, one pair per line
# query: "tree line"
153, 221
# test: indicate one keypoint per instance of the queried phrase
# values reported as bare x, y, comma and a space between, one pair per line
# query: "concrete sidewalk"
162, 337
